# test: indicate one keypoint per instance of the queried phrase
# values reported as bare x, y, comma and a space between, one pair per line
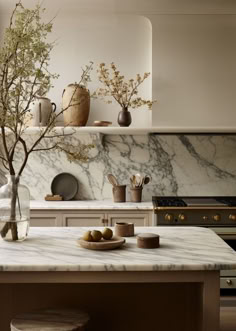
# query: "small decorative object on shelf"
124, 117
14, 210
102, 123
124, 92
41, 110
76, 100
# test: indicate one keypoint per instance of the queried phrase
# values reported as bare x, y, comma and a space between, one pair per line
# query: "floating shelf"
111, 130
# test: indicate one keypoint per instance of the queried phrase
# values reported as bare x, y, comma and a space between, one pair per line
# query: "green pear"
87, 236
107, 233
96, 235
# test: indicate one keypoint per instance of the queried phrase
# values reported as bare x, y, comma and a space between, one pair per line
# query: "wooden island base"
121, 301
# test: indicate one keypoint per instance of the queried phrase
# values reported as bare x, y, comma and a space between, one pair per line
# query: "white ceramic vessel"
41, 110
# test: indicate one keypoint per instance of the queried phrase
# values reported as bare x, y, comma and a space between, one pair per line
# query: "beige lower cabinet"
45, 218
84, 219
89, 218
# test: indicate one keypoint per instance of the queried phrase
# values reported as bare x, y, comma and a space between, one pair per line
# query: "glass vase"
14, 210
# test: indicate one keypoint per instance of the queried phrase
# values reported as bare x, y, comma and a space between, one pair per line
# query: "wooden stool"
51, 320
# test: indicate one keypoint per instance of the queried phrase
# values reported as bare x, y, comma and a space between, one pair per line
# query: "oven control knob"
169, 217
182, 217
216, 217
232, 217
229, 282
205, 218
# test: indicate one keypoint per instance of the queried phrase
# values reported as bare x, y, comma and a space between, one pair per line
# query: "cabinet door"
85, 219
50, 219
139, 219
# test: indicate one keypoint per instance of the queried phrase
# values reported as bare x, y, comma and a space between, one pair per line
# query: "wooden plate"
115, 242
65, 185
101, 123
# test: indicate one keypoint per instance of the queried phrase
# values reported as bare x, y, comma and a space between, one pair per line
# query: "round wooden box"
148, 240
124, 229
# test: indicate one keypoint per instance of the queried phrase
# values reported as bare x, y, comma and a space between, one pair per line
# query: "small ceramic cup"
124, 229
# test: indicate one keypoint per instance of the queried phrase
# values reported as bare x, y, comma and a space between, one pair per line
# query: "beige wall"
194, 70
192, 46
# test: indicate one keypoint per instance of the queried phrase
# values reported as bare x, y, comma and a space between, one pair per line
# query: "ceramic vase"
76, 102
124, 117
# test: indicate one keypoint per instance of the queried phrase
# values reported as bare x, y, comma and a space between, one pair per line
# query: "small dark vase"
124, 117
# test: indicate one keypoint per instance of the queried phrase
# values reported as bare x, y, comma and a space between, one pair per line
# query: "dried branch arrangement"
24, 75
124, 92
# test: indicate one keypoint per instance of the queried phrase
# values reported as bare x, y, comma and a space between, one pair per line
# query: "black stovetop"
172, 201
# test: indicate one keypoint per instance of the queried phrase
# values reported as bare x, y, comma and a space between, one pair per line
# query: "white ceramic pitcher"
41, 110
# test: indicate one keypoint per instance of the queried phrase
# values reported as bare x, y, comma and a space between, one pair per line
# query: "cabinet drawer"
93, 219
45, 220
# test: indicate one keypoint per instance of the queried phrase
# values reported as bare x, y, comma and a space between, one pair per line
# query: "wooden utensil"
112, 179
138, 179
132, 181
146, 180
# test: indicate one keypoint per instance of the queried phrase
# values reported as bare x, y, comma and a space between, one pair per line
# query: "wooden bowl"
101, 123
113, 243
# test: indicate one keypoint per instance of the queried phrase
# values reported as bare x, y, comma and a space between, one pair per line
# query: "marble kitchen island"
174, 287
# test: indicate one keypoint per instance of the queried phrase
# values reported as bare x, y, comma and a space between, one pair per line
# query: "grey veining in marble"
56, 249
177, 164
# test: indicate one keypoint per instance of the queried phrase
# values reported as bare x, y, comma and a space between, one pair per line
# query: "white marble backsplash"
177, 164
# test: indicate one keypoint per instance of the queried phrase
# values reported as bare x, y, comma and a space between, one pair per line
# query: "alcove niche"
125, 40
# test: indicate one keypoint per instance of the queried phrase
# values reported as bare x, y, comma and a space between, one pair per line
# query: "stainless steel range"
217, 213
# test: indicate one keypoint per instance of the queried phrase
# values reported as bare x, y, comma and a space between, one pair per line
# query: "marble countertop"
89, 204
56, 249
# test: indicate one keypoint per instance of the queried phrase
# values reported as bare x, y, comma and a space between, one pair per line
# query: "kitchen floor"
228, 314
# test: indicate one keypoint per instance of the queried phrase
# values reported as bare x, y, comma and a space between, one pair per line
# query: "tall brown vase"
76, 101
124, 117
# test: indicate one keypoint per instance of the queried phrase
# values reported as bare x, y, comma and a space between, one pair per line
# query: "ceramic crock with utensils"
118, 191
137, 182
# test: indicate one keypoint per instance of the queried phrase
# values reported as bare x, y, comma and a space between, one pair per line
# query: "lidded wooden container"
148, 240
124, 229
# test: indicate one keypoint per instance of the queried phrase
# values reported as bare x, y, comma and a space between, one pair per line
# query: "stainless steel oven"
216, 213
